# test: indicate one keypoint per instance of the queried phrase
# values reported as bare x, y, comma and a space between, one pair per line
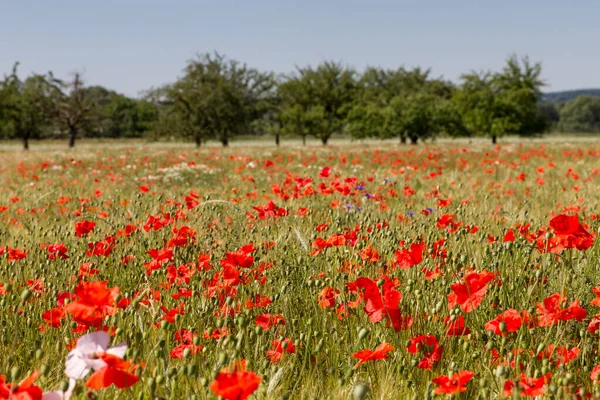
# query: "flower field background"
342, 272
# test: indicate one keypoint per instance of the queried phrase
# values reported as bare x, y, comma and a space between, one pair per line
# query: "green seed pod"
360, 391
25, 295
15, 372
190, 370
502, 326
363, 333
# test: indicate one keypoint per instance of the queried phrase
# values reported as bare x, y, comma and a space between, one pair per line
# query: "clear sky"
131, 45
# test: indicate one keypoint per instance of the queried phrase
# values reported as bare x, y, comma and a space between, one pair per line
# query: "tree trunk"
225, 142
277, 139
303, 140
72, 134
198, 141
403, 139
414, 140
26, 142
324, 140
494, 139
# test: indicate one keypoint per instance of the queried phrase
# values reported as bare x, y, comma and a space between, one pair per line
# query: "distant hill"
566, 95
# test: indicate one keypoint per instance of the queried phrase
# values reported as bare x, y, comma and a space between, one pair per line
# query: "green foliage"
404, 104
316, 101
216, 98
496, 104
581, 115
568, 95
26, 106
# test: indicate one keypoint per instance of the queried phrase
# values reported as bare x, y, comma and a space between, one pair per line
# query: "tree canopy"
218, 98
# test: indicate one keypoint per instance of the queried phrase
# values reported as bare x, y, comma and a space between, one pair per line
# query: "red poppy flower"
327, 297
511, 319
568, 234
407, 258
596, 301
186, 341
117, 372
457, 326
82, 228
94, 302
278, 348
594, 324
452, 384
16, 254
531, 387
267, 321
270, 210
560, 355
23, 391
57, 250
235, 383
380, 353
550, 311
382, 304
54, 316
433, 350
470, 293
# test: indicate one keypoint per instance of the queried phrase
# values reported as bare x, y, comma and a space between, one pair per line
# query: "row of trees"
217, 98
581, 114
42, 106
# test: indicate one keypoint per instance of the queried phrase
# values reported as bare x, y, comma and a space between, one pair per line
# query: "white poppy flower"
83, 358
59, 394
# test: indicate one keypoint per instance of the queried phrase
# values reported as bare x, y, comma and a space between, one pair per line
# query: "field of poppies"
349, 271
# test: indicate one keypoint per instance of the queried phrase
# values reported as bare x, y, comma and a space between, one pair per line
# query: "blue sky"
131, 45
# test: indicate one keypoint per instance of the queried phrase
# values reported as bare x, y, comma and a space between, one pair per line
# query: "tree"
485, 109
422, 116
581, 114
520, 81
27, 105
324, 96
401, 103
217, 98
74, 108
505, 102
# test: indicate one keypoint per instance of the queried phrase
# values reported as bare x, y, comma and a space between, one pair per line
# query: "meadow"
361, 271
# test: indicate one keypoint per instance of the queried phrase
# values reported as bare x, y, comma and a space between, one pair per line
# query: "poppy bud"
222, 359
64, 386
39, 353
363, 333
25, 295
172, 371
502, 326
190, 370
14, 373
500, 371
540, 348
360, 391
151, 383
